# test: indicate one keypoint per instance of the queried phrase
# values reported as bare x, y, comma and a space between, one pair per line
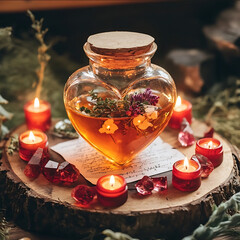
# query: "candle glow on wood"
31, 136
186, 175
112, 181
210, 148
38, 114
179, 106
37, 106
112, 190
186, 167
178, 102
36, 103
182, 109
30, 141
186, 164
210, 145
111, 184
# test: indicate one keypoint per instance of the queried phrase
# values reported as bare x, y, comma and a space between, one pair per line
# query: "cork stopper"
120, 43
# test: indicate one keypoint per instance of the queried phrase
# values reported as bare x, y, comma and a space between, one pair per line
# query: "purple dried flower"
137, 101
135, 110
147, 96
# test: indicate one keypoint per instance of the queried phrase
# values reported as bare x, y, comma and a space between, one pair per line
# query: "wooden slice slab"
41, 206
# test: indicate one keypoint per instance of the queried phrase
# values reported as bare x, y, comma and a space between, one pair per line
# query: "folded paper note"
156, 158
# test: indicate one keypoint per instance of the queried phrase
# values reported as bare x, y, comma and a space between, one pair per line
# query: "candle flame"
186, 163
178, 102
31, 136
36, 103
112, 181
210, 145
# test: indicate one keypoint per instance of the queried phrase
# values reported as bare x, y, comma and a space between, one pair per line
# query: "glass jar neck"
125, 61
119, 68
128, 71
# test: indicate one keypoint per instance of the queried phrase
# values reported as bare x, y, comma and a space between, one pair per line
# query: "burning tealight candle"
112, 190
186, 175
38, 114
182, 109
210, 148
30, 141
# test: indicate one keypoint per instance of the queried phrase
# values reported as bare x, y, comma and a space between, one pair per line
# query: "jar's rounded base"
119, 163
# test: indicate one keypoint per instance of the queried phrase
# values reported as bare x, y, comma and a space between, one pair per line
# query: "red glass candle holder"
28, 147
213, 151
180, 112
112, 195
186, 181
38, 117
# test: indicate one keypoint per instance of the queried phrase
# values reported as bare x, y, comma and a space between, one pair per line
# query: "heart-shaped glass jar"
121, 102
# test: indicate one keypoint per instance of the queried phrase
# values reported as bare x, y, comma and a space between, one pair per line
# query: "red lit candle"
182, 109
112, 190
38, 114
210, 148
30, 141
186, 175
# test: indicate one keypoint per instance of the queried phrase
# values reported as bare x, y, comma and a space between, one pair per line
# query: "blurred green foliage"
18, 64
221, 109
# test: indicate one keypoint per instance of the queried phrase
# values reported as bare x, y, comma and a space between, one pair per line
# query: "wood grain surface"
41, 206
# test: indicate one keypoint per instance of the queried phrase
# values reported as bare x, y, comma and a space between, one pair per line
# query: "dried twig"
43, 57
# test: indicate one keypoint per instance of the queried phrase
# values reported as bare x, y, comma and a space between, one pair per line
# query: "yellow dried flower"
141, 122
108, 127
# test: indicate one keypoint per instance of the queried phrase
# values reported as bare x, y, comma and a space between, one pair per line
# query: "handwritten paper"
156, 158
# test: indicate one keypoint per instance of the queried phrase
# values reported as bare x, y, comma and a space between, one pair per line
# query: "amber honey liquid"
127, 141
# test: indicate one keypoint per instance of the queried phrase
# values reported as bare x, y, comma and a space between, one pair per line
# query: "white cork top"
120, 40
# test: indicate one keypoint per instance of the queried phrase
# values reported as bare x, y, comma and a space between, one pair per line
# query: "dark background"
173, 24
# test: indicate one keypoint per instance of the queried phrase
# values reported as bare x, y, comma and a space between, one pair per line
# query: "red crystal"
206, 164
68, 172
209, 133
83, 194
33, 168
145, 186
50, 171
160, 183
185, 136
44, 160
